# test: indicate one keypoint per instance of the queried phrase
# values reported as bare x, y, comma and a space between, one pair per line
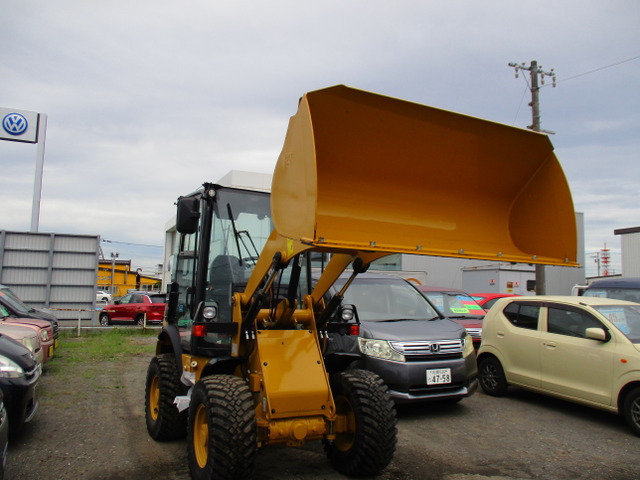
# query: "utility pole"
535, 71
113, 269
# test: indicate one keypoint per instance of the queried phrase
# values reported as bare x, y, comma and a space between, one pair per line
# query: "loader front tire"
363, 397
222, 435
164, 421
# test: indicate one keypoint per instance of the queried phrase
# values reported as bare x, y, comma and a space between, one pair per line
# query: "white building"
630, 247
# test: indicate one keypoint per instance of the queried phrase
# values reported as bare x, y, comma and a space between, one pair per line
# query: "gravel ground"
91, 426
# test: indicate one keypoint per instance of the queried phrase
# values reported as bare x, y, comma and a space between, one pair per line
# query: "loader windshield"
240, 227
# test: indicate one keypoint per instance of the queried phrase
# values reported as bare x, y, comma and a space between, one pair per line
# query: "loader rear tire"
363, 397
222, 438
164, 421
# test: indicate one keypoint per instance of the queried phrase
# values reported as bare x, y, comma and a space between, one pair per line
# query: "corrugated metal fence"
52, 271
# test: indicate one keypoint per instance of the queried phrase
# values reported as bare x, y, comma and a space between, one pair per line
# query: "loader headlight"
468, 346
379, 349
210, 313
346, 313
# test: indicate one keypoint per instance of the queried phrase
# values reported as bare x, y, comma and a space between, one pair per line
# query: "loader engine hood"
365, 172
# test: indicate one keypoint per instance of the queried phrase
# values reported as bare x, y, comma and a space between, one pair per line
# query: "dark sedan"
19, 375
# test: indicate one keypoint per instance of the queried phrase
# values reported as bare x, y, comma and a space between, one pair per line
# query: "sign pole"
37, 187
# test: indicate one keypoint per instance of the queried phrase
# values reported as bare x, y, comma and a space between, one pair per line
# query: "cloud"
147, 100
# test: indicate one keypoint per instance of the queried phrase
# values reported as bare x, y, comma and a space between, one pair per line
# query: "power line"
131, 244
599, 69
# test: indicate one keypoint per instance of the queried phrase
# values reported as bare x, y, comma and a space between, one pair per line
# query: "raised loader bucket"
361, 171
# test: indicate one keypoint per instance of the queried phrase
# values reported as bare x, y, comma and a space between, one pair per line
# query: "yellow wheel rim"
154, 398
201, 436
345, 440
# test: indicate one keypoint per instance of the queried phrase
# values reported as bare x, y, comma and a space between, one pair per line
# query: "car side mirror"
597, 334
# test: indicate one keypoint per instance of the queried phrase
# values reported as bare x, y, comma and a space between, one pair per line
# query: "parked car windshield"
629, 294
455, 304
10, 299
3, 312
387, 299
157, 298
625, 317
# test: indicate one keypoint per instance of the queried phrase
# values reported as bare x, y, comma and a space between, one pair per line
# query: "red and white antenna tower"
605, 260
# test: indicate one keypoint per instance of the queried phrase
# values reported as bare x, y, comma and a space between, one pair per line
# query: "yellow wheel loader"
242, 360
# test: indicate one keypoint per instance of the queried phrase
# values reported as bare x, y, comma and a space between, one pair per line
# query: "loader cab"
222, 230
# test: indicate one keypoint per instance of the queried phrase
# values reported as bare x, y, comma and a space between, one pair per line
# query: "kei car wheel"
631, 410
104, 320
492, 378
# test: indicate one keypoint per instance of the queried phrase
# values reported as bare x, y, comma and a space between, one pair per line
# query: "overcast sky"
148, 99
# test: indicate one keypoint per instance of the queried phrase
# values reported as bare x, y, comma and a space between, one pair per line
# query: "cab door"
572, 364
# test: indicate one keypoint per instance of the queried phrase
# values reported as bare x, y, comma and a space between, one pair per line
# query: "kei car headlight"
44, 335
30, 343
379, 349
9, 368
468, 346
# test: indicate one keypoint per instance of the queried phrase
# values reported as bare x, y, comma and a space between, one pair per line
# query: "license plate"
439, 376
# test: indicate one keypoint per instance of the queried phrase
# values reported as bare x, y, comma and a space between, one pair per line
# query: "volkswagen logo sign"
15, 124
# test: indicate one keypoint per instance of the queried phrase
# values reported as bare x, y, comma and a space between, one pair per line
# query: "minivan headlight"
468, 346
9, 368
379, 349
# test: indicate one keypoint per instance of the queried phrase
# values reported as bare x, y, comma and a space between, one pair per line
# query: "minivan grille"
474, 332
429, 349
33, 374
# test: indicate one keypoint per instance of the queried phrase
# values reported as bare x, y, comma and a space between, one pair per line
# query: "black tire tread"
492, 363
632, 396
233, 442
171, 424
376, 435
108, 321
